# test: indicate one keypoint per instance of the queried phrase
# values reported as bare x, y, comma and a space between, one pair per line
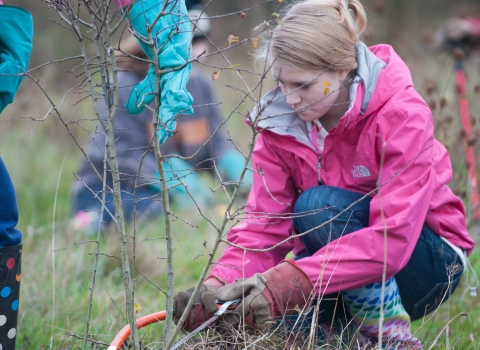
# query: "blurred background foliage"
408, 25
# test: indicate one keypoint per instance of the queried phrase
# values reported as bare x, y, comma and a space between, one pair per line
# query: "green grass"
463, 331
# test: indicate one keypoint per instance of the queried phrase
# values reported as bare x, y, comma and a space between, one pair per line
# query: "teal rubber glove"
172, 35
231, 165
16, 36
180, 177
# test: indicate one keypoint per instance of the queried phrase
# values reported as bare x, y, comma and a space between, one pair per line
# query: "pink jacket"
386, 118
474, 23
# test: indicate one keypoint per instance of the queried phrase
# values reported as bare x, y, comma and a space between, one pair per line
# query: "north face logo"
360, 171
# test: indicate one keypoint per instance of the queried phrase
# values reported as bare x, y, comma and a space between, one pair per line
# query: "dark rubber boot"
10, 271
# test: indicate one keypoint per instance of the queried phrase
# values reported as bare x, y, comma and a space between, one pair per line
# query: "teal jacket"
16, 35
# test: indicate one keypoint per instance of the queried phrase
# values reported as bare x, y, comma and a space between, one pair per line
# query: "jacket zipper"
319, 167
313, 139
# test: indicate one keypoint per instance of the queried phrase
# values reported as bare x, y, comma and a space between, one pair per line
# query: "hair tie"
350, 11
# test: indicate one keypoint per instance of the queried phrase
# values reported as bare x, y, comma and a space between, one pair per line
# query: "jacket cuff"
291, 287
120, 3
297, 266
214, 281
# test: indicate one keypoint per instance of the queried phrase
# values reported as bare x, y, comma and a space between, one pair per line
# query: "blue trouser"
423, 282
10, 260
147, 202
9, 235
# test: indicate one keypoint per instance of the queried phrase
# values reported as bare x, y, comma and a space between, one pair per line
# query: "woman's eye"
305, 86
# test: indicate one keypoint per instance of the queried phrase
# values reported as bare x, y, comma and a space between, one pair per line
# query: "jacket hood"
380, 74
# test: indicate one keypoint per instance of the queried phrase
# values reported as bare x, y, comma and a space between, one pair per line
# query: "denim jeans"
423, 282
148, 203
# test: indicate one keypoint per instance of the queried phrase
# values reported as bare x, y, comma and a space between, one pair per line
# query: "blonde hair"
317, 35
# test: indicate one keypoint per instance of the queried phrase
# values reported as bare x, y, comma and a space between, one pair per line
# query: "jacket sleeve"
268, 218
397, 212
15, 48
122, 3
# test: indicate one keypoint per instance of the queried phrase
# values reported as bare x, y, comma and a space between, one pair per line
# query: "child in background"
352, 182
15, 48
134, 134
461, 32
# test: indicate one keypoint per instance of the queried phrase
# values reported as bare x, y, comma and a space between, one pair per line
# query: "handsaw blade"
195, 331
224, 307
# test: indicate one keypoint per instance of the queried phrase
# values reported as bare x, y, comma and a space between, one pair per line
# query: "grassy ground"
58, 261
456, 324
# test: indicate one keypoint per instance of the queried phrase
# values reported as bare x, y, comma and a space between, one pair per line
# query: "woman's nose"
292, 97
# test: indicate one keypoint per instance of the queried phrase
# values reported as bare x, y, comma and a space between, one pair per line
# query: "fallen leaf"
471, 139
137, 308
326, 90
232, 39
233, 66
255, 42
443, 102
297, 309
220, 209
430, 87
216, 75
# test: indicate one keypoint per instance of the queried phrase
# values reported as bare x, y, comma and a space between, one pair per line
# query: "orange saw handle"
143, 321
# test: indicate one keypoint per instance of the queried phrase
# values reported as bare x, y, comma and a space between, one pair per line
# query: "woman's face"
313, 94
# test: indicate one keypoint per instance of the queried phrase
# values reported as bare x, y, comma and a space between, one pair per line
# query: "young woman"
347, 150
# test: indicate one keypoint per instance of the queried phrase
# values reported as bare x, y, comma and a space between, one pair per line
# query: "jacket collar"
369, 67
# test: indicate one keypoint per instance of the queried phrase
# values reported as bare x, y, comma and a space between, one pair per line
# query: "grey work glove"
283, 290
203, 308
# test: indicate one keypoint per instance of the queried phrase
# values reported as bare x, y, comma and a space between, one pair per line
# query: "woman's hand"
203, 308
283, 290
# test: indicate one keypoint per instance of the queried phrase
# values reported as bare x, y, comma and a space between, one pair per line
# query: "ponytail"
358, 16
